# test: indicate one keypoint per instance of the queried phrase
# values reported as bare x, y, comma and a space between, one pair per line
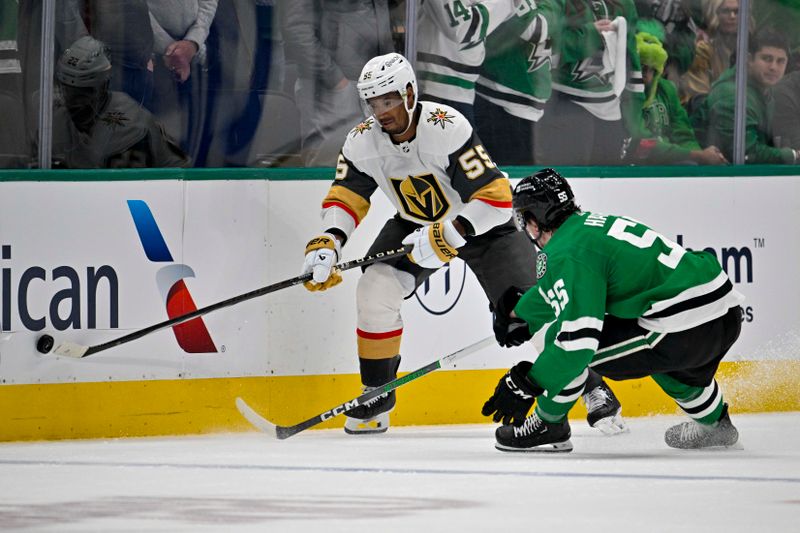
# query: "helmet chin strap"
409, 112
534, 240
537, 241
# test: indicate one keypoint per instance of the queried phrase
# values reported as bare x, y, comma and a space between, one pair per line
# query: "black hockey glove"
509, 331
513, 397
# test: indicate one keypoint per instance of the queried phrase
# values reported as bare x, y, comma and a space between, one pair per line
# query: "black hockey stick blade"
72, 349
284, 432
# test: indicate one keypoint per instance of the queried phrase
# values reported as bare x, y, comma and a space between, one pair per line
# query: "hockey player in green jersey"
450, 200
618, 298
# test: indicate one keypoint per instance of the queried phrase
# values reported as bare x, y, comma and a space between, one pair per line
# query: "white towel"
614, 56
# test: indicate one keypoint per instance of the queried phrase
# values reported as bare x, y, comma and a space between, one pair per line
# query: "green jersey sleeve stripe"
448, 80
484, 20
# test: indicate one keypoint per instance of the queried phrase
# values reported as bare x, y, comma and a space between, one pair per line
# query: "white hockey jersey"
443, 172
450, 44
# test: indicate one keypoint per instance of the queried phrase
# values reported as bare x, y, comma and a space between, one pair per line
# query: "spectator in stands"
514, 82
180, 29
329, 41
99, 128
679, 19
10, 68
766, 64
69, 27
782, 16
124, 27
597, 92
451, 46
671, 139
14, 152
713, 51
786, 123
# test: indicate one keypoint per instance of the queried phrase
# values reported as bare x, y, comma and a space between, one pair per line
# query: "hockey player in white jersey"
451, 200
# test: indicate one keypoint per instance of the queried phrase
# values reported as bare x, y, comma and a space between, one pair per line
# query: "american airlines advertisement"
90, 262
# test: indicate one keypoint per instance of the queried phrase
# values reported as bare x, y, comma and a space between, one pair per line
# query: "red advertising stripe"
192, 336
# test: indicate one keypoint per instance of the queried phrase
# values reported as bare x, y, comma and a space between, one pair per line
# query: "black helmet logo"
544, 197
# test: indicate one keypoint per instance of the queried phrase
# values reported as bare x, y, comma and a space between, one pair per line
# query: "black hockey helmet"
544, 197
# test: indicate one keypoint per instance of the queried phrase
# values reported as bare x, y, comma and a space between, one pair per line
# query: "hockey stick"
71, 349
284, 432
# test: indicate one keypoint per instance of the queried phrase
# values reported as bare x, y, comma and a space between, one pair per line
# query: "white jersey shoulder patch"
443, 127
364, 140
441, 130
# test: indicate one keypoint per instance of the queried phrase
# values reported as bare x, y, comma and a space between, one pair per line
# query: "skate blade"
612, 425
354, 426
714, 448
554, 447
722, 447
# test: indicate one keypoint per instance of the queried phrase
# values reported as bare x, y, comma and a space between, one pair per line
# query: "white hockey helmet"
84, 64
385, 74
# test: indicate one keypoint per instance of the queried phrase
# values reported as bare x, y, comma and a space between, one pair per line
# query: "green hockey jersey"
516, 71
596, 264
578, 61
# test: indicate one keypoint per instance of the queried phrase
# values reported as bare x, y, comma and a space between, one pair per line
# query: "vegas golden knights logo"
421, 197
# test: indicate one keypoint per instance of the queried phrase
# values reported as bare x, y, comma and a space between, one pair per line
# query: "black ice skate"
693, 435
534, 435
372, 416
603, 410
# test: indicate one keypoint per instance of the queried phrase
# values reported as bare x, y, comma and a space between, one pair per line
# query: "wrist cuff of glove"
334, 279
519, 374
326, 240
445, 239
508, 301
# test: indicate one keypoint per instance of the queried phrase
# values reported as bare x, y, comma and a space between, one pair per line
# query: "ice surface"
446, 478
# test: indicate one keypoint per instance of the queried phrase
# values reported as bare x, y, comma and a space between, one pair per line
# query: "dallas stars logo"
440, 117
362, 127
590, 68
541, 54
540, 45
114, 119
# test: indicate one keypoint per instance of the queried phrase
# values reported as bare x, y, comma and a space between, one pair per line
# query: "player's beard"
395, 127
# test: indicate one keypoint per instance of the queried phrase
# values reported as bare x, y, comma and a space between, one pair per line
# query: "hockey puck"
44, 344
